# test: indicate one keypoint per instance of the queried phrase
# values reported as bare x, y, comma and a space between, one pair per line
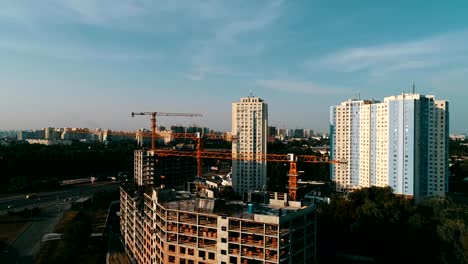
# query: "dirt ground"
11, 227
118, 258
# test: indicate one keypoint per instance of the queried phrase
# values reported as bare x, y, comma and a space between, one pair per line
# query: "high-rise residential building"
250, 127
401, 142
144, 167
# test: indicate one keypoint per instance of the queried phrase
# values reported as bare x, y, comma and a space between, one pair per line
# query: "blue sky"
89, 63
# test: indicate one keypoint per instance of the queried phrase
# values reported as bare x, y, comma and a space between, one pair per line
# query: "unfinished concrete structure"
165, 226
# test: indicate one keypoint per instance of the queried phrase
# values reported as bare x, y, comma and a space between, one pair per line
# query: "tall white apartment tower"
250, 127
401, 142
144, 161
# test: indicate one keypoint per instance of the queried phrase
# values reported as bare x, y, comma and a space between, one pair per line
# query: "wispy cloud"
385, 59
102, 11
300, 87
70, 51
32, 13
206, 59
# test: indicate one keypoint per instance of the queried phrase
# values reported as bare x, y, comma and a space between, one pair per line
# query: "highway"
81, 190
52, 204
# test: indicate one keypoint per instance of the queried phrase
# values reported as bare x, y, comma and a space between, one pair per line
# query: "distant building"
298, 133
178, 129
82, 134
51, 133
458, 137
109, 135
31, 134
271, 134
401, 142
282, 133
250, 126
49, 142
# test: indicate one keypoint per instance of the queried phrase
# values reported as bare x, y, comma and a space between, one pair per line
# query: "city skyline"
91, 63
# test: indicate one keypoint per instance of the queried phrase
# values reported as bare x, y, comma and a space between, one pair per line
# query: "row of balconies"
192, 241
254, 253
192, 231
256, 228
271, 243
191, 218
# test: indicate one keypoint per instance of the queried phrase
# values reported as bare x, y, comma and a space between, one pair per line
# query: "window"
223, 252
223, 228
223, 240
171, 248
211, 255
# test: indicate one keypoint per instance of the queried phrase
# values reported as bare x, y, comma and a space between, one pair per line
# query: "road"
20, 202
28, 244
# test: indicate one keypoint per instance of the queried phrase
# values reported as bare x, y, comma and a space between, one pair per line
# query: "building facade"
144, 167
250, 127
162, 226
401, 142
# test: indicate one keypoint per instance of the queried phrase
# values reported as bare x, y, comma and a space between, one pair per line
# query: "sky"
90, 63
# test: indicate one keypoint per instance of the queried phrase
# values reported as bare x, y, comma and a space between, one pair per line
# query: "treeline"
24, 167
457, 149
375, 226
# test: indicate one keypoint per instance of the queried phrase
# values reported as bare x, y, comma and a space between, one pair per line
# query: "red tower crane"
291, 158
153, 122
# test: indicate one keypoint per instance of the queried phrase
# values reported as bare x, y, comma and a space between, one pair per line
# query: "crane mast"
153, 121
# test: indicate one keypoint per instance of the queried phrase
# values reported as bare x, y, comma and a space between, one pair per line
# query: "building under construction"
164, 226
161, 225
173, 172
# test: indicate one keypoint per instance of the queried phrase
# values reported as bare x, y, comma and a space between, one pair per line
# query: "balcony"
188, 241
188, 230
251, 252
188, 218
234, 240
172, 216
208, 221
271, 255
171, 237
207, 244
252, 228
172, 228
234, 225
271, 230
252, 240
271, 242
207, 233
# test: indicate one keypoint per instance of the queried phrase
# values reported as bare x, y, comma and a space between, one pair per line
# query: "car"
11, 206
